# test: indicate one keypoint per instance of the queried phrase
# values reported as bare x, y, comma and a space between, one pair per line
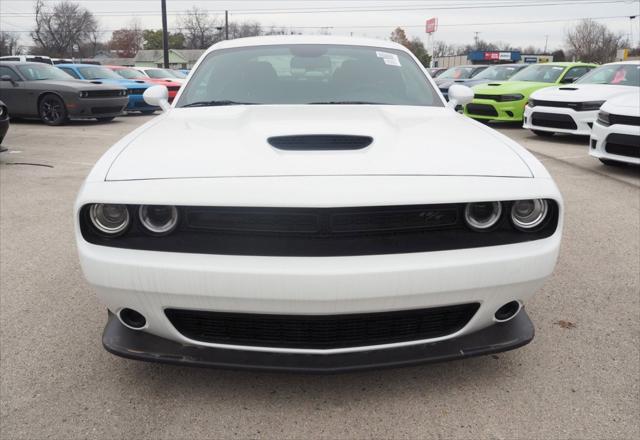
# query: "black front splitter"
139, 345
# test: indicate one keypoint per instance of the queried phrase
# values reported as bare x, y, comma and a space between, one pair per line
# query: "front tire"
52, 110
106, 119
543, 133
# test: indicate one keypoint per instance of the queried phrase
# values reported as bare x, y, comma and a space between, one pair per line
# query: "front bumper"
97, 107
132, 344
511, 111
598, 142
583, 120
138, 104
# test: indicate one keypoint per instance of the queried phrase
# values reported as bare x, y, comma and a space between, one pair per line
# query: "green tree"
153, 39
415, 45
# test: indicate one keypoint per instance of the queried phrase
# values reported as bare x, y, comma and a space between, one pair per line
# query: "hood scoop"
320, 142
567, 88
95, 82
494, 84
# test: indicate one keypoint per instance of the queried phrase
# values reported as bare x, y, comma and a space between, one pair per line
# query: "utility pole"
165, 34
546, 41
226, 25
476, 39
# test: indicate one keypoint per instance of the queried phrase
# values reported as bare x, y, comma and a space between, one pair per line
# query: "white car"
574, 108
615, 137
337, 217
158, 73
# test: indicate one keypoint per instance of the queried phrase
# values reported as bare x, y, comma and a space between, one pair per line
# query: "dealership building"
490, 57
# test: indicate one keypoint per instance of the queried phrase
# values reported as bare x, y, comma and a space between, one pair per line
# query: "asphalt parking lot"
579, 378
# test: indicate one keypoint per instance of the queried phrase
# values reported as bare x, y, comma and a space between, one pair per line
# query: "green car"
505, 101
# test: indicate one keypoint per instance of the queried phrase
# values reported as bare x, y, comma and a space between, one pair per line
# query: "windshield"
616, 74
539, 73
457, 73
130, 73
159, 73
40, 72
178, 74
498, 73
309, 74
97, 72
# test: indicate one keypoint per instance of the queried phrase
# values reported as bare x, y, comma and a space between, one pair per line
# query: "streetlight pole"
165, 34
226, 25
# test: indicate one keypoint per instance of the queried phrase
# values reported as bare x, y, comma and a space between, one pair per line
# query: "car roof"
78, 65
24, 63
305, 39
624, 62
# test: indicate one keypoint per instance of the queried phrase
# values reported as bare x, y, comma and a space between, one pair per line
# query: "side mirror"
459, 95
7, 78
567, 80
157, 96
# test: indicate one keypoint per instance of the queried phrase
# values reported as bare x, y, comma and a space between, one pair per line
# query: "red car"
133, 74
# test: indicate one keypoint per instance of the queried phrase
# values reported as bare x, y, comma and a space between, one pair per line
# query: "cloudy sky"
519, 22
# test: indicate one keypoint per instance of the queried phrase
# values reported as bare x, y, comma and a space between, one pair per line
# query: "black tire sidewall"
64, 115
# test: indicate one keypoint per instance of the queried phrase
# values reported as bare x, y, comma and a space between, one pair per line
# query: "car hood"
78, 84
232, 142
509, 87
627, 104
130, 84
582, 92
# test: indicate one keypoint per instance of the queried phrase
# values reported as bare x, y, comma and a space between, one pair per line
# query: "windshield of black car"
498, 73
457, 73
97, 72
130, 73
42, 72
539, 73
615, 74
309, 74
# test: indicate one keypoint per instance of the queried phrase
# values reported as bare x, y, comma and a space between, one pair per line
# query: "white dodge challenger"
313, 204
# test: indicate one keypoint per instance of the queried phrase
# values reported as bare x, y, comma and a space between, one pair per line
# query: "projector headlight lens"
159, 219
109, 218
528, 214
482, 215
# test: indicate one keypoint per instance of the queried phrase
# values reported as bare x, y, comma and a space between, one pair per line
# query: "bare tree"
9, 44
63, 28
442, 49
244, 29
127, 41
198, 28
590, 41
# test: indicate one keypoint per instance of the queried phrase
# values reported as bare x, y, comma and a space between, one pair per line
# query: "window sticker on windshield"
557, 68
389, 59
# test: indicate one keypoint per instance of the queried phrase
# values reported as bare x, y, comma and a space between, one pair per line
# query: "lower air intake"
321, 331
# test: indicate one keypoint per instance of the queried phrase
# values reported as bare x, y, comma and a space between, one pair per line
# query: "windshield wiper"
346, 103
217, 103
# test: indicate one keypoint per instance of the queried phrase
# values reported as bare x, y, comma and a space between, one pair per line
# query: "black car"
4, 121
36, 90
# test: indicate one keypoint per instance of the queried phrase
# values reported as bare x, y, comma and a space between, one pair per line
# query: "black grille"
104, 110
623, 145
624, 120
481, 109
319, 232
135, 91
104, 93
558, 104
320, 142
489, 97
553, 120
320, 331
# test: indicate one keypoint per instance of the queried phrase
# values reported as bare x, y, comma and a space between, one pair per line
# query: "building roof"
153, 55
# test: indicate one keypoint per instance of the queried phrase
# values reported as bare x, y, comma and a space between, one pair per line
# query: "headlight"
531, 103
506, 98
527, 214
603, 118
159, 219
483, 215
109, 218
592, 105
84, 94
2, 112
